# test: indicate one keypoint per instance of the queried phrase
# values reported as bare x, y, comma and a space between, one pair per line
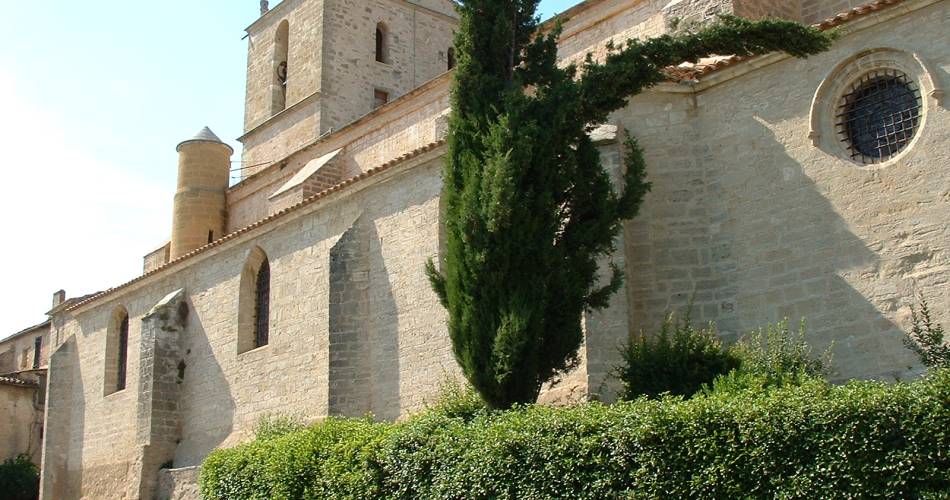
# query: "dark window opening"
262, 306
281, 68
210, 236
879, 116
451, 57
381, 48
380, 98
37, 345
123, 353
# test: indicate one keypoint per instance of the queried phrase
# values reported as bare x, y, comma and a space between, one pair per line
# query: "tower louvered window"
262, 306
123, 353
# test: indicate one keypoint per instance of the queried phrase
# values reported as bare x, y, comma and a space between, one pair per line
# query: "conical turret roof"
203, 135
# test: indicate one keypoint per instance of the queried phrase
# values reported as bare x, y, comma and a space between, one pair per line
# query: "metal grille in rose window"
879, 115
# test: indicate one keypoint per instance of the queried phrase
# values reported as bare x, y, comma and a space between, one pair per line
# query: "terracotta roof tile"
706, 66
323, 194
9, 380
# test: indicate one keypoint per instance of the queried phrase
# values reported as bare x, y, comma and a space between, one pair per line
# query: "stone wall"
755, 223
223, 394
21, 411
178, 484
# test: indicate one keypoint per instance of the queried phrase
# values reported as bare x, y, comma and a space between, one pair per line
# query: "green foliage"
926, 338
334, 459
276, 425
778, 353
19, 479
678, 360
529, 209
771, 357
457, 400
815, 440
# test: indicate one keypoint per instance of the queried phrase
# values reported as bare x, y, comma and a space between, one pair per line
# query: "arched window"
117, 352
254, 302
262, 305
382, 44
281, 69
451, 57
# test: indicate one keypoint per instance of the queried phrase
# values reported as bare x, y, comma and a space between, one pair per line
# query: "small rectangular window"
380, 98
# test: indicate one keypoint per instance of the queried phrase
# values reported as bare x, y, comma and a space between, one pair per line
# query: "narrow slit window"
382, 49
262, 306
117, 352
451, 57
121, 369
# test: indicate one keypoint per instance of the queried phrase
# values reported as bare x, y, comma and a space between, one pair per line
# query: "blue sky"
94, 98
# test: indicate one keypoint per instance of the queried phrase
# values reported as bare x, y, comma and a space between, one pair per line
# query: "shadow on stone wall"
62, 472
364, 330
212, 421
794, 256
735, 225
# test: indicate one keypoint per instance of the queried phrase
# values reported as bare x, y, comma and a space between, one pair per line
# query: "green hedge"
861, 440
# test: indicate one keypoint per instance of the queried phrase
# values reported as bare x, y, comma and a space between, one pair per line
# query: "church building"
811, 188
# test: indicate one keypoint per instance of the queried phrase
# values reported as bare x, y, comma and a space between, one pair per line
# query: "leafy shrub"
780, 355
814, 440
276, 425
457, 400
926, 338
333, 459
678, 360
19, 479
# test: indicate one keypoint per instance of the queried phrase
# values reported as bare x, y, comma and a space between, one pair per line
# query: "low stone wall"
178, 484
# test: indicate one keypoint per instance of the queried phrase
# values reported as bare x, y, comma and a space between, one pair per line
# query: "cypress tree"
528, 207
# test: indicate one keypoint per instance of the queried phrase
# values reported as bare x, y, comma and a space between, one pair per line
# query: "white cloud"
72, 220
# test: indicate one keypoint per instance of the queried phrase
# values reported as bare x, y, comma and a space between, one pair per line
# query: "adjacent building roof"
25, 331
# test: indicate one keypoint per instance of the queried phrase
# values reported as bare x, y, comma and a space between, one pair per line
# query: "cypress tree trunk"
528, 207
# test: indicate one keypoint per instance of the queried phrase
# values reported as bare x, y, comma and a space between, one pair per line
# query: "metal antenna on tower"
265, 6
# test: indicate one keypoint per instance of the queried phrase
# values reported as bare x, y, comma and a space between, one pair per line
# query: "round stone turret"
200, 213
